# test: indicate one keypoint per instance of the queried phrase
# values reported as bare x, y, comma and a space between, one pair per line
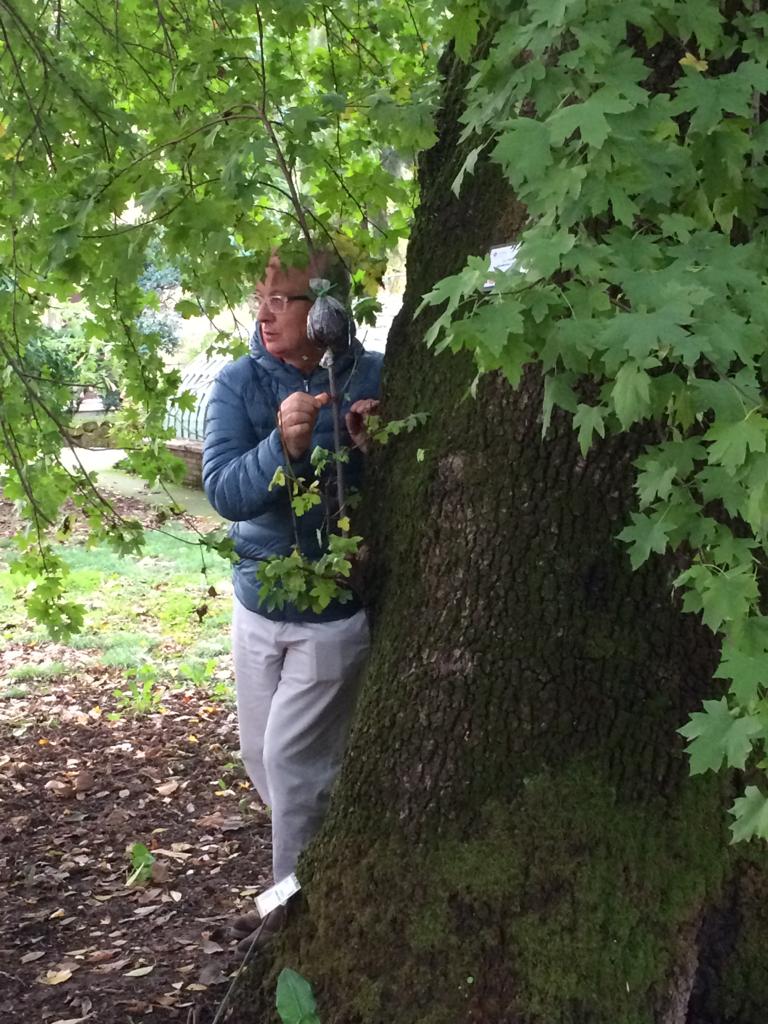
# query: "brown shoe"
253, 930
244, 924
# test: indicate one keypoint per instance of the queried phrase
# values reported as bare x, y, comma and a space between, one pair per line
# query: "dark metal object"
328, 363
330, 327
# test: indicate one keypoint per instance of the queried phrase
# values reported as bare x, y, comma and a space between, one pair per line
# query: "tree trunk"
514, 837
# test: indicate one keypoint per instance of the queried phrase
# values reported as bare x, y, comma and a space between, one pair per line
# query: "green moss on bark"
568, 904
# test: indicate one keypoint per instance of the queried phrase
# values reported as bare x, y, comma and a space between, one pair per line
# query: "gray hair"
328, 264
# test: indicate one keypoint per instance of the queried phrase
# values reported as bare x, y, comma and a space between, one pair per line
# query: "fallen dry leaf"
146, 911
84, 781
99, 955
173, 854
72, 849
232, 825
58, 788
29, 957
214, 820
134, 1005
212, 974
116, 965
55, 977
160, 872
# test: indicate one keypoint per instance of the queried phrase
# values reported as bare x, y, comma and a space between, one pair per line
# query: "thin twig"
298, 206
228, 994
422, 44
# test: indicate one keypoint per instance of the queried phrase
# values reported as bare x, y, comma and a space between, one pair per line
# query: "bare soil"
82, 780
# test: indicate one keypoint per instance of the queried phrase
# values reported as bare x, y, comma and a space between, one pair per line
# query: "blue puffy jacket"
242, 451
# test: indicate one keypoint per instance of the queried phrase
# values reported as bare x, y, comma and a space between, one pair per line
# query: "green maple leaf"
731, 551
715, 734
751, 814
487, 330
717, 484
323, 591
631, 394
588, 117
748, 673
558, 391
588, 420
709, 97
727, 596
548, 12
464, 26
720, 396
542, 250
644, 535
523, 150
731, 441
655, 480
187, 308
641, 334
466, 168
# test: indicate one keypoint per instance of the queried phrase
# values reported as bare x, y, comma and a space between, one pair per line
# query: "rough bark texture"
514, 837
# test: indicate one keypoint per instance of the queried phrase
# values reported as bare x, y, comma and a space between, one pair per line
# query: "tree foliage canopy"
634, 133
231, 129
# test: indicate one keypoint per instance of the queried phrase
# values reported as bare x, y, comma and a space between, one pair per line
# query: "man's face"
284, 333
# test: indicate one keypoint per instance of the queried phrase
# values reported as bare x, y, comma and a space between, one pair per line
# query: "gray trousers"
297, 684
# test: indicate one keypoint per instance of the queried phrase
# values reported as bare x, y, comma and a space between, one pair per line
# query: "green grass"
47, 670
140, 610
13, 692
34, 678
209, 647
126, 650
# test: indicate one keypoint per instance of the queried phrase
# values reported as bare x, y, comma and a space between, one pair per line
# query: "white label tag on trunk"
278, 895
502, 258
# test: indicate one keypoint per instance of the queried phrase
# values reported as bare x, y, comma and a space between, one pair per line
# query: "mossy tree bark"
514, 837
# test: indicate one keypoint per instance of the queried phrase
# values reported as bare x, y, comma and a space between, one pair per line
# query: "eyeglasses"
277, 302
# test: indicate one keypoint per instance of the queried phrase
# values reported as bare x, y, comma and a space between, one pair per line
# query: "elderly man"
297, 673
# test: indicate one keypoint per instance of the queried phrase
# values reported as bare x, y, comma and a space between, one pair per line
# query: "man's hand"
296, 420
356, 421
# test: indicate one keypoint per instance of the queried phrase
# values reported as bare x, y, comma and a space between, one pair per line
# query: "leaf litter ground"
125, 735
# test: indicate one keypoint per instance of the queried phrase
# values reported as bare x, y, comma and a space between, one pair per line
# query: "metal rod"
329, 360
